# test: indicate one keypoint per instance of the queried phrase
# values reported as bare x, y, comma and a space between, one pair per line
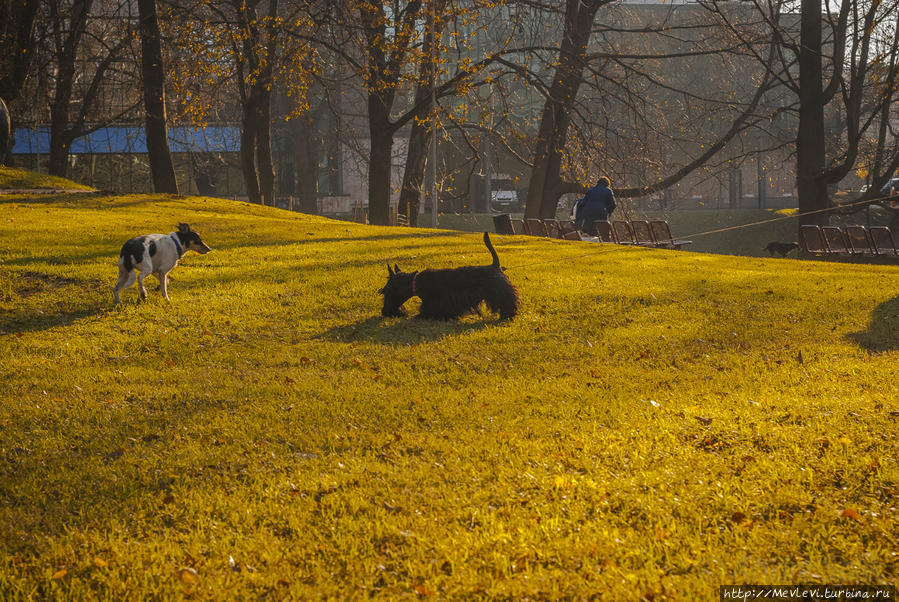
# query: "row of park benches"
552, 228
647, 233
849, 240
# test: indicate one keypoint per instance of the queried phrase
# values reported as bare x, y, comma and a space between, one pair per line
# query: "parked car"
504, 200
892, 184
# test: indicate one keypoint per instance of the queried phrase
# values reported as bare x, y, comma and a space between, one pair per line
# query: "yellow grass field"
653, 425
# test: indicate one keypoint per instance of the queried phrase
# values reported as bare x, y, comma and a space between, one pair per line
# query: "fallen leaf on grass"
188, 576
100, 563
305, 361
421, 590
59, 574
851, 513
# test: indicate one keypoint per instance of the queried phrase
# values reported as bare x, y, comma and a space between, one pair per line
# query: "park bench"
624, 234
835, 240
535, 227
642, 233
502, 224
812, 239
604, 231
553, 228
882, 240
661, 233
859, 240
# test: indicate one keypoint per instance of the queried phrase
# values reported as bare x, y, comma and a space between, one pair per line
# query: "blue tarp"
116, 140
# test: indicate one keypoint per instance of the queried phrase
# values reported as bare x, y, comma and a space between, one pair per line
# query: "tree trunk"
17, 32
544, 186
306, 150
5, 132
248, 150
153, 70
60, 137
379, 163
264, 164
810, 143
413, 176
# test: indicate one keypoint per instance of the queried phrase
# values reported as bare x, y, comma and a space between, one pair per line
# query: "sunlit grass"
14, 178
654, 423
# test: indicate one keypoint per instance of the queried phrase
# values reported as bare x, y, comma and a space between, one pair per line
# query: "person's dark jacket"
598, 204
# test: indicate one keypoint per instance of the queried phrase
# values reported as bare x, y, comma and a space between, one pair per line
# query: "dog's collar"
178, 246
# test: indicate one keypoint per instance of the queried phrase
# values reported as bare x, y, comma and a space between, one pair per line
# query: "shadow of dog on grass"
883, 331
379, 330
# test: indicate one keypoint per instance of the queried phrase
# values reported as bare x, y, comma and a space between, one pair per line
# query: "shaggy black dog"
781, 247
451, 293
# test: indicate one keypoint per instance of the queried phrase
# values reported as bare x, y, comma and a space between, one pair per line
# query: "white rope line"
727, 229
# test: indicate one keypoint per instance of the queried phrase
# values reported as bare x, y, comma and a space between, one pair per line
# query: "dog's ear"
396, 269
389, 271
183, 228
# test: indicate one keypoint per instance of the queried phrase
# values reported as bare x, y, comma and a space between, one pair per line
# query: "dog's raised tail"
492, 250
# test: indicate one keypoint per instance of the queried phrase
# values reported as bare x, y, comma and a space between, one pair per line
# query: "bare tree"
17, 21
624, 77
848, 56
75, 32
255, 69
161, 167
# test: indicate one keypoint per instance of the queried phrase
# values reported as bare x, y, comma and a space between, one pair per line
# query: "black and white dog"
155, 254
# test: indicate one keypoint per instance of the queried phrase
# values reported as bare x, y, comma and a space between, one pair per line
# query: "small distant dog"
155, 254
781, 247
449, 294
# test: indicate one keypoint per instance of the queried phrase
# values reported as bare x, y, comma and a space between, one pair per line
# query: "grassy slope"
13, 178
653, 423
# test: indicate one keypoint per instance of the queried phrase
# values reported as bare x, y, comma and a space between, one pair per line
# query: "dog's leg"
140, 284
163, 284
126, 279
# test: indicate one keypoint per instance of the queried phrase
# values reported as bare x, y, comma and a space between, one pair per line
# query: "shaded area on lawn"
43, 314
883, 331
403, 331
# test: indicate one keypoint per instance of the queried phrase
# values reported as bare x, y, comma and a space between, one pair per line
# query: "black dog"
451, 293
781, 247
